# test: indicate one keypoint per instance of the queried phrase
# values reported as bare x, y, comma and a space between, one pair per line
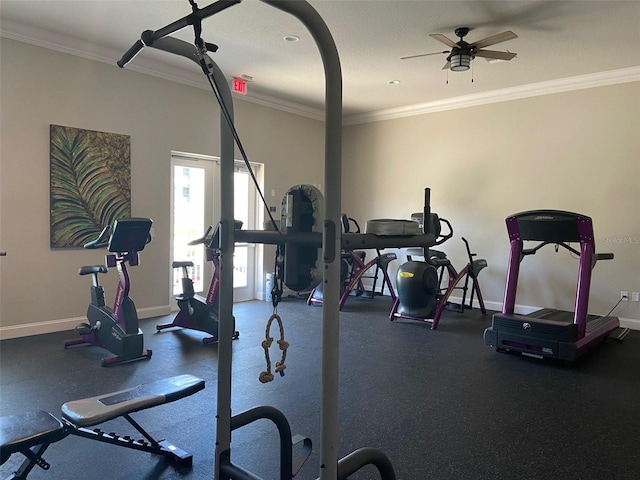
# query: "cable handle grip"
148, 37
132, 52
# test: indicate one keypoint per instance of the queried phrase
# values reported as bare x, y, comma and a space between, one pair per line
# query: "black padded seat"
25, 430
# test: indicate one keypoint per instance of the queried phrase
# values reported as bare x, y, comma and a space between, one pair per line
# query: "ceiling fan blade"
496, 55
492, 40
447, 66
423, 55
443, 39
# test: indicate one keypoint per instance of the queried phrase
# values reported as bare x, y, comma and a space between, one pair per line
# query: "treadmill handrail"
532, 251
596, 257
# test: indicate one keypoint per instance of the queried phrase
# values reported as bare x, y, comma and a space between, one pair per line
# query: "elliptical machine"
421, 294
196, 312
115, 329
353, 269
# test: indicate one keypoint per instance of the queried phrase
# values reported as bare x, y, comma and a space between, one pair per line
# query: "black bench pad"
25, 430
95, 410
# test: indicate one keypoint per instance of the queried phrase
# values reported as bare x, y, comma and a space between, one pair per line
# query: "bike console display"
130, 235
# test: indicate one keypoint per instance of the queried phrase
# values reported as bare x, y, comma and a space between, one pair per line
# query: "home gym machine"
115, 329
422, 297
329, 240
197, 312
353, 269
550, 333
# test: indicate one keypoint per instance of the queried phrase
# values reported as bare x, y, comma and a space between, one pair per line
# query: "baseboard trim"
61, 325
632, 323
52, 326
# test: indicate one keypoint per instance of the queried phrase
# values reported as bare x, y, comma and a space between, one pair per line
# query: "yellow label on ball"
406, 274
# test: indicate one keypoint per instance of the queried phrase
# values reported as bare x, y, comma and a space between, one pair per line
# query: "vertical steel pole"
331, 240
226, 324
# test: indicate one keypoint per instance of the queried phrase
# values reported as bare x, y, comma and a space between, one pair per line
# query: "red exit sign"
240, 86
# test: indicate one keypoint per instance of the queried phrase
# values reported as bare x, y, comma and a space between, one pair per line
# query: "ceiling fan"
462, 53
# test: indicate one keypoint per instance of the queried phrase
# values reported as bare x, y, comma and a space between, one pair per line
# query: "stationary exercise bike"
423, 295
115, 329
196, 312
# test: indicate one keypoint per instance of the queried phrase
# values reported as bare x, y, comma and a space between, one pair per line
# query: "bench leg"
33, 457
148, 444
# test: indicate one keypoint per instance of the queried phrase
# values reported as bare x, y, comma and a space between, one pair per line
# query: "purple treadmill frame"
588, 259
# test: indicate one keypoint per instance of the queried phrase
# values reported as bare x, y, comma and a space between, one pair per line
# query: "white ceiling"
556, 40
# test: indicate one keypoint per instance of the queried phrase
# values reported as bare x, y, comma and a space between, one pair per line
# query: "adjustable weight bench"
31, 433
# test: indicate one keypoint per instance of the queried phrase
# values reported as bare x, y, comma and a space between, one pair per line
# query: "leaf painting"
90, 183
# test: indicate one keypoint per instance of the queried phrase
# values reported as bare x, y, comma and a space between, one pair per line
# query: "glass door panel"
196, 181
192, 214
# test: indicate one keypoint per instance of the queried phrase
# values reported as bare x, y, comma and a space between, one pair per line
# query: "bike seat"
181, 264
90, 269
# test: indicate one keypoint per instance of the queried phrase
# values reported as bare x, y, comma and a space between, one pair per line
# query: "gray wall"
40, 87
575, 151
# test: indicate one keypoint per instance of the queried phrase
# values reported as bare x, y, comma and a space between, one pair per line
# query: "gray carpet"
440, 404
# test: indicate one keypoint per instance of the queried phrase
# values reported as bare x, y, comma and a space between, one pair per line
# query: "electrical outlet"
624, 295
635, 296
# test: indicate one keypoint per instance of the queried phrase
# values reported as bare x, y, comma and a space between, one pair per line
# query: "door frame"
255, 252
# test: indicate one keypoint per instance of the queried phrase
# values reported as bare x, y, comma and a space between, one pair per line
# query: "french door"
195, 207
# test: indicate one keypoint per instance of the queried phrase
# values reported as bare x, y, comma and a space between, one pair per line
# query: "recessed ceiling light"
393, 82
291, 38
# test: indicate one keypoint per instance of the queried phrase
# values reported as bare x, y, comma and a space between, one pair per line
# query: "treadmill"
550, 333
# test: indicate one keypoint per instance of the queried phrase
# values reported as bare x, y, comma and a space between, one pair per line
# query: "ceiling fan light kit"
462, 53
460, 62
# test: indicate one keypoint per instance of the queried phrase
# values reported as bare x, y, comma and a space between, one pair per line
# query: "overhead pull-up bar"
330, 468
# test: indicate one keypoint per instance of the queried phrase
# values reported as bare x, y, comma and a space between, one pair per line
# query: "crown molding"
580, 82
97, 53
71, 46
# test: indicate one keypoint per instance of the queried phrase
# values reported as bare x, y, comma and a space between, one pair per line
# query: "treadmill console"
552, 226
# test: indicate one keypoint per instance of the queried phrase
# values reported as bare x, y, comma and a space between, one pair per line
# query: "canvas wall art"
90, 183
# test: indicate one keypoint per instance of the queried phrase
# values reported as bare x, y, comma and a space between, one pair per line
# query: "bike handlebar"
102, 240
443, 238
202, 239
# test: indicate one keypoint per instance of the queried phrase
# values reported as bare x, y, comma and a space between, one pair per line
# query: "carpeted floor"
440, 403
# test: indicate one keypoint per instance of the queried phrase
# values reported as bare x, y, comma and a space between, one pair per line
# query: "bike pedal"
83, 329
